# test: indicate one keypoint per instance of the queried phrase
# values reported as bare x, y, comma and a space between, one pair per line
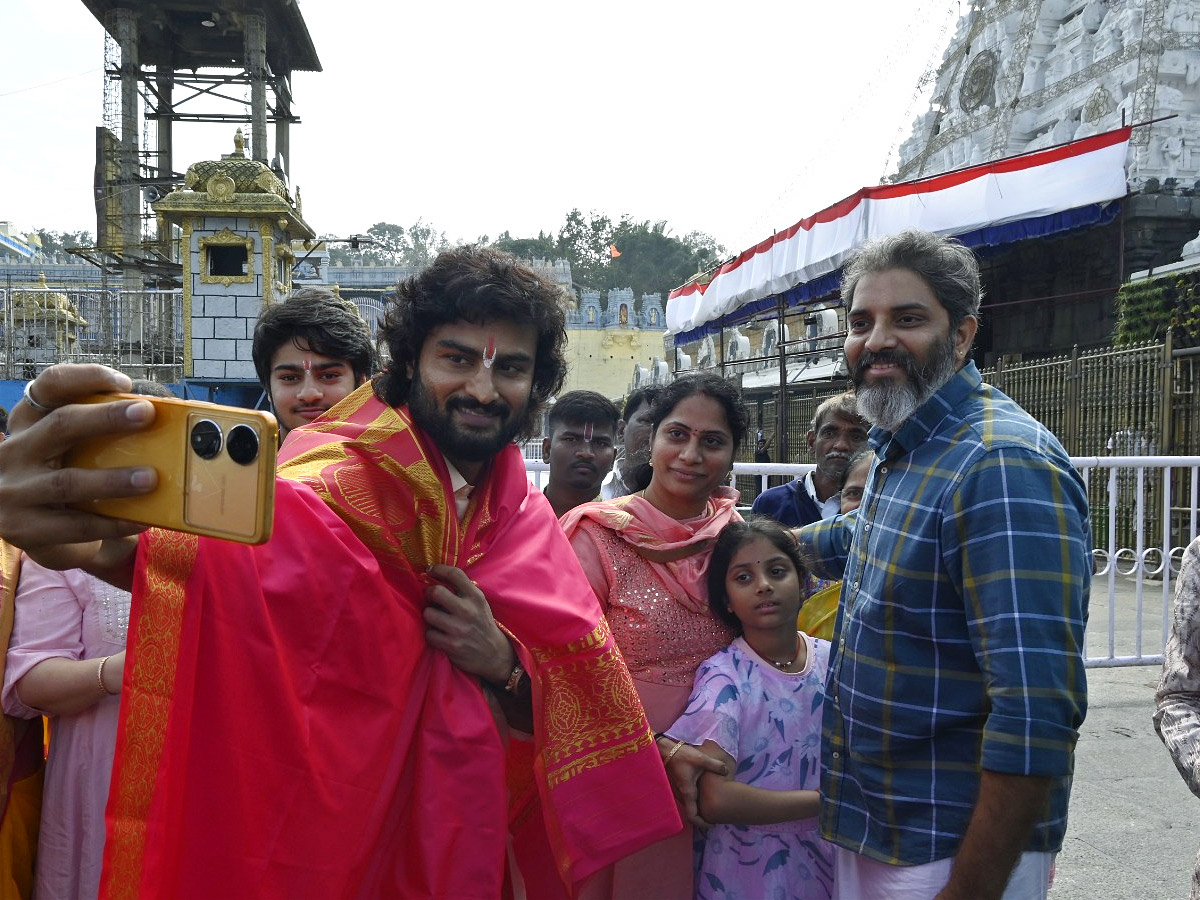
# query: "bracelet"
510, 686
674, 750
100, 678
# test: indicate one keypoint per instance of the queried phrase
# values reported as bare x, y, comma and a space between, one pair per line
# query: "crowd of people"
436, 680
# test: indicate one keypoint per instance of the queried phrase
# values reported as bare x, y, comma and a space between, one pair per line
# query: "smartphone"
215, 465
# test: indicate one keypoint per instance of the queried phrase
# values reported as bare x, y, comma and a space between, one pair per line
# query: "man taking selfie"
314, 716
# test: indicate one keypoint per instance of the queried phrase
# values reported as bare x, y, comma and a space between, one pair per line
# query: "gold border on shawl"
578, 680
172, 556
353, 490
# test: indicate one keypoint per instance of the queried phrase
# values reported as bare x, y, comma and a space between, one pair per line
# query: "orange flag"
613, 252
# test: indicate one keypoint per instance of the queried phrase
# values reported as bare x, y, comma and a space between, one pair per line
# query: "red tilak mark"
307, 365
587, 432
489, 354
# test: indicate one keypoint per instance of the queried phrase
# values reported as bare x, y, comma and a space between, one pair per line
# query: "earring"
651, 463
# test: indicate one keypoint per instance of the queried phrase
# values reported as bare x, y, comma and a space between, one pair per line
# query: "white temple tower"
1026, 74
1023, 75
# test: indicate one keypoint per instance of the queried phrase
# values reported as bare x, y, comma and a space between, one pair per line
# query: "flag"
613, 252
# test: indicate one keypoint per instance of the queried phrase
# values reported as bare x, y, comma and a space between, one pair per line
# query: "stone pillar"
283, 112
256, 66
164, 161
123, 27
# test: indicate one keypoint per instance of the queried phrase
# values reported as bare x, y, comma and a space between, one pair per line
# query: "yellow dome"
235, 174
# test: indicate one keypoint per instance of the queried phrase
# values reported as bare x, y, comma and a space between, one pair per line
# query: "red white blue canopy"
1083, 173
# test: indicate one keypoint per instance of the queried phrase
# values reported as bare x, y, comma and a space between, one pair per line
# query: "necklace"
786, 663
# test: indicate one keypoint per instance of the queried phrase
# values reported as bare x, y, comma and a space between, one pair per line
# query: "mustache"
495, 408
889, 357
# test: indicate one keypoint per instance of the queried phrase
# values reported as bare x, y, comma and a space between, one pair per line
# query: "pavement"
1133, 827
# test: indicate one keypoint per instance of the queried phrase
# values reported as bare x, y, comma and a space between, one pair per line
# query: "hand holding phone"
215, 466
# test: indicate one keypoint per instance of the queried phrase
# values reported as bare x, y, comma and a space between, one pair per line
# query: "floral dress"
770, 722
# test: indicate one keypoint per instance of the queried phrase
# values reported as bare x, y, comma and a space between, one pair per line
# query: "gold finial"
42, 281
337, 290
239, 143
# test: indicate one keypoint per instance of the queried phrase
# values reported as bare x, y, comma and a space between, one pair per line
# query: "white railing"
1158, 500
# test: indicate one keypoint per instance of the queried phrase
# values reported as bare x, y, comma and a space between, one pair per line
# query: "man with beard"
310, 351
580, 448
836, 433
956, 684
313, 717
634, 434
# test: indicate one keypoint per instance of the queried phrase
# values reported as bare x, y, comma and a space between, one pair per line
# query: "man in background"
837, 432
634, 434
310, 351
580, 448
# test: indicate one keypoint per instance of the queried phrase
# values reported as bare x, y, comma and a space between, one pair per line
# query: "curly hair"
945, 264
319, 320
477, 285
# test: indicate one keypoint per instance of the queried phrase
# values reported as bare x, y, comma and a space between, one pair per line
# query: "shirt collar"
929, 415
457, 481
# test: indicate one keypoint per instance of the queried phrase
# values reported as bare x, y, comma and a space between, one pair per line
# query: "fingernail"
142, 479
140, 411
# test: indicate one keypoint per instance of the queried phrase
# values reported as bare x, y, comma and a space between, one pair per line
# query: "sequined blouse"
662, 641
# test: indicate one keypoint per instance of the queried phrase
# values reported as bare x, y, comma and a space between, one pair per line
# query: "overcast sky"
734, 119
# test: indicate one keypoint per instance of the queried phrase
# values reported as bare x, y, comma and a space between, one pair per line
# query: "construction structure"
169, 61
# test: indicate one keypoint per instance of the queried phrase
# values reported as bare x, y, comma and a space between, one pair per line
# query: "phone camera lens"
242, 444
206, 438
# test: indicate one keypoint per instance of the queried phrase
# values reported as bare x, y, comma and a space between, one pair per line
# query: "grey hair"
843, 406
945, 264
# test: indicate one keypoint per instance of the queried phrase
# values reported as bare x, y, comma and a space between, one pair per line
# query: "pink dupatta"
673, 548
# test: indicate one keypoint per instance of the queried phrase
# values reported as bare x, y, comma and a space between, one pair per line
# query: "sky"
478, 117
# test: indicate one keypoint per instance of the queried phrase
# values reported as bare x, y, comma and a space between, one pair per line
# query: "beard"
467, 445
889, 405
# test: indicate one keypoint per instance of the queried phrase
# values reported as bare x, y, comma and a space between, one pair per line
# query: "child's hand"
684, 771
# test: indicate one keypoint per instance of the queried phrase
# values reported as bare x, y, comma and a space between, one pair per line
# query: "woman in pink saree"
646, 556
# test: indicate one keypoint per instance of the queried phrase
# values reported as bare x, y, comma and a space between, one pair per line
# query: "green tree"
652, 260
391, 244
585, 242
544, 246
394, 245
424, 243
55, 243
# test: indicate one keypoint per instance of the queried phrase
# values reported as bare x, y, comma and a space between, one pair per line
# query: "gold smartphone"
215, 465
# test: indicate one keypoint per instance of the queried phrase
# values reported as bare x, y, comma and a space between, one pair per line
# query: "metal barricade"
1122, 629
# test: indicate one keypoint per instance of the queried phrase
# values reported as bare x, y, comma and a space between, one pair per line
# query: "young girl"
757, 706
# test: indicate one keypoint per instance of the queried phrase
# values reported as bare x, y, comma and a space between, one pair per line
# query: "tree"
544, 246
424, 243
55, 243
585, 242
395, 245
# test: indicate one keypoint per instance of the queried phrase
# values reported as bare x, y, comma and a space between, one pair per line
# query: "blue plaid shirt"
960, 634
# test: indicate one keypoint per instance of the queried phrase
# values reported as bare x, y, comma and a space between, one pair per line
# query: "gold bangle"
674, 750
100, 678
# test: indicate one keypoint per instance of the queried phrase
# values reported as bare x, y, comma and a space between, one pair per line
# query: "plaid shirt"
960, 634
